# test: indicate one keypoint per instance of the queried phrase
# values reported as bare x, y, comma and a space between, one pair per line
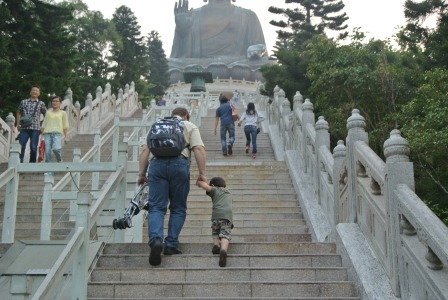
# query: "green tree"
370, 77
129, 53
5, 63
425, 126
290, 74
423, 40
159, 77
309, 18
94, 37
38, 49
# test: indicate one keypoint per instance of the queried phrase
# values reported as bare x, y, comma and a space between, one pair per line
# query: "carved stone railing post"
322, 140
73, 123
45, 227
116, 137
307, 118
89, 104
399, 170
77, 106
356, 132
96, 158
339, 181
11, 120
75, 184
285, 130
12, 190
80, 265
120, 195
120, 100
99, 98
297, 120
272, 107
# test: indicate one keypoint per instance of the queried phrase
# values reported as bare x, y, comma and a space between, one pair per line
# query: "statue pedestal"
237, 68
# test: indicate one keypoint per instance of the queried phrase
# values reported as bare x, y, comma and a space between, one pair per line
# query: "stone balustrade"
393, 243
95, 114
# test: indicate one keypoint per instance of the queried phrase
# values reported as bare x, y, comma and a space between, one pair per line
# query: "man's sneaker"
215, 249
229, 150
222, 258
247, 149
254, 156
224, 153
155, 257
171, 251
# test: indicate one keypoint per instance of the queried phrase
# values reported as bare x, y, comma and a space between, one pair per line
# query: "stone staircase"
29, 205
271, 255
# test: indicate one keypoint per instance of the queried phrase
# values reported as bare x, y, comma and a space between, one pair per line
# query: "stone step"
3, 248
249, 248
249, 230
222, 289
216, 274
33, 225
246, 238
237, 231
38, 211
37, 218
236, 216
184, 261
242, 203
245, 210
237, 223
239, 298
287, 195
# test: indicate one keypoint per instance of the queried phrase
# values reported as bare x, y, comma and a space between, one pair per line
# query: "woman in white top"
251, 119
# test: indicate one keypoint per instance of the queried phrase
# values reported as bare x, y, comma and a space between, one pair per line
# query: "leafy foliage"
36, 49
309, 18
426, 128
129, 52
419, 38
159, 77
94, 36
370, 77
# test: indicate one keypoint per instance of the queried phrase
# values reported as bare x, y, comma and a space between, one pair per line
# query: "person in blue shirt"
224, 116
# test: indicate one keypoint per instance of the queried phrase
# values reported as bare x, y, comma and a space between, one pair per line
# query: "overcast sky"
377, 18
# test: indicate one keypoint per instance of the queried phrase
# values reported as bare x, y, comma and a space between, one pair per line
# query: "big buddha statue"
225, 39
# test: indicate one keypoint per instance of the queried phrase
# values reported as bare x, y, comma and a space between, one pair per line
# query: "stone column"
120, 97
285, 111
99, 97
307, 118
356, 132
322, 139
399, 170
11, 120
297, 119
339, 154
89, 120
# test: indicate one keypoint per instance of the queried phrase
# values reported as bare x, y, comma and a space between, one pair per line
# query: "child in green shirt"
222, 216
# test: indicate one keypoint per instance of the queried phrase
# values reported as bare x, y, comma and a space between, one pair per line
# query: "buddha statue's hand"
183, 16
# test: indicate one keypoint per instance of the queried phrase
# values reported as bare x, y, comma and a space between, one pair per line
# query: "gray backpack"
166, 137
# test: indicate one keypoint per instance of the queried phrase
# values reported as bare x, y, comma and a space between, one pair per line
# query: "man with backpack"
164, 163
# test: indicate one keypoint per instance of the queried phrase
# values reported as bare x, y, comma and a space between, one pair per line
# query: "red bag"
41, 151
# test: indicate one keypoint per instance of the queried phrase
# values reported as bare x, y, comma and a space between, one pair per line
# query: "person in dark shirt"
30, 107
224, 116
